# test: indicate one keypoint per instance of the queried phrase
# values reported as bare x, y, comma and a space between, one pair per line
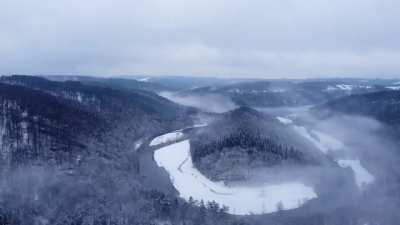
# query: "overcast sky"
247, 38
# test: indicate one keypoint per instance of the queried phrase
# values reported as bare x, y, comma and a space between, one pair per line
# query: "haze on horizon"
257, 39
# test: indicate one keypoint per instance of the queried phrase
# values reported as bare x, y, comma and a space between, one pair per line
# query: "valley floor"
241, 200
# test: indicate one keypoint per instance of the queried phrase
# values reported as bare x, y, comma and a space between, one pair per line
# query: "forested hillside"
245, 139
70, 155
69, 158
140, 111
37, 127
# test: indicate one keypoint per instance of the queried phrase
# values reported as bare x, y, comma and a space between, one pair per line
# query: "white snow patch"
345, 87
362, 176
145, 79
209, 103
327, 141
322, 141
330, 88
138, 144
396, 88
278, 90
3, 123
24, 114
285, 121
241, 200
200, 125
79, 97
25, 134
166, 138
78, 158
194, 126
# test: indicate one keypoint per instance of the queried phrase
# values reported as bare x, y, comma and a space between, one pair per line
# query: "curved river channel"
241, 200
244, 199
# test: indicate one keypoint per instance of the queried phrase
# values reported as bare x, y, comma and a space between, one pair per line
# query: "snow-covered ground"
322, 141
79, 97
396, 88
241, 200
173, 136
346, 87
361, 175
284, 120
200, 125
326, 143
144, 79
166, 138
138, 144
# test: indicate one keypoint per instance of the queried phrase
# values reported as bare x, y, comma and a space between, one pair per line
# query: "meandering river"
241, 200
176, 161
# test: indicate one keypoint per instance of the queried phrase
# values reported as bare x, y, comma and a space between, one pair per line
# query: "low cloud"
208, 103
264, 39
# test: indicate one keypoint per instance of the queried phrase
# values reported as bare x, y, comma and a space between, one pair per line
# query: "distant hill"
278, 93
383, 106
148, 83
116, 83
100, 99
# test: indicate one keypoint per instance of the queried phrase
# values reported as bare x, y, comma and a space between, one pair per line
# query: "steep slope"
37, 127
64, 161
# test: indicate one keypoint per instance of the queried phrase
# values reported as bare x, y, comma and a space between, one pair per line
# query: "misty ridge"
213, 103
82, 150
199, 112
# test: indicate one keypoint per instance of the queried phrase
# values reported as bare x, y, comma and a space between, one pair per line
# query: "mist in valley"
199, 112
362, 171
212, 103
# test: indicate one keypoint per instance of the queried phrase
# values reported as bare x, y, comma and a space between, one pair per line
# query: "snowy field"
325, 143
322, 141
396, 88
362, 176
167, 138
284, 120
241, 200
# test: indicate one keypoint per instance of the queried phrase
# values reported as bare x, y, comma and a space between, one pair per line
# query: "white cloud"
258, 38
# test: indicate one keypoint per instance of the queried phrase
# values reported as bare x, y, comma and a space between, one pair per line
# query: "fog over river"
245, 199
